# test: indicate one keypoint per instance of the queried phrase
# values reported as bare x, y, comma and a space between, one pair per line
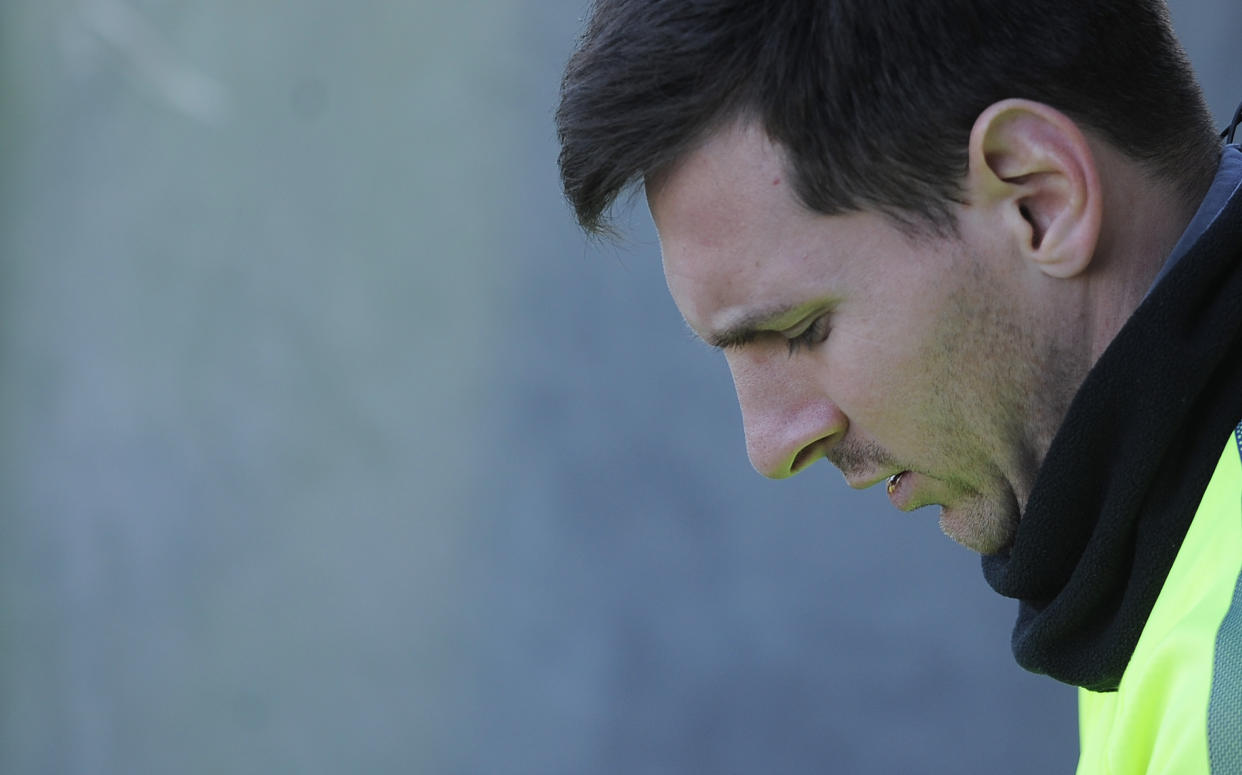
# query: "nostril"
808, 455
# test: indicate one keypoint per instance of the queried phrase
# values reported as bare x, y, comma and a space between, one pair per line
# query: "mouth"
864, 481
893, 481
901, 490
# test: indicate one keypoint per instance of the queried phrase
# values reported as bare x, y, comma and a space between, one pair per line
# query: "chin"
980, 527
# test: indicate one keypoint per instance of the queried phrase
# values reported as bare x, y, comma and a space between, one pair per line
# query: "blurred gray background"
328, 445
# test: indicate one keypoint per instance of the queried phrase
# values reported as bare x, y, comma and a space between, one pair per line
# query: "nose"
789, 423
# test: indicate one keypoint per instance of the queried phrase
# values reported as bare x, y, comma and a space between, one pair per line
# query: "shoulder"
1181, 692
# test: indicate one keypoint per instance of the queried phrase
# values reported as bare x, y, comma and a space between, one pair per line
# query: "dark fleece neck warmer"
1126, 470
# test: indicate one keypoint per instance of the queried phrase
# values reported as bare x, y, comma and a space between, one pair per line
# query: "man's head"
872, 100
911, 226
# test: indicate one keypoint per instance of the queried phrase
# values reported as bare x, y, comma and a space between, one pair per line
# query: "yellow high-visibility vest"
1178, 708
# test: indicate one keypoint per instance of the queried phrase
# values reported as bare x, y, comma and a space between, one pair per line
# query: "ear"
1033, 170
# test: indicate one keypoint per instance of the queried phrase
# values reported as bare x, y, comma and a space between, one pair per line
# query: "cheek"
879, 378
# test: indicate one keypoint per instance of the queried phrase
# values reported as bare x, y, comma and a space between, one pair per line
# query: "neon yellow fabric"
1156, 723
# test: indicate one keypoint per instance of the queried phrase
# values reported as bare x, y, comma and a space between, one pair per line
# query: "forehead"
718, 179
724, 207
735, 241
738, 245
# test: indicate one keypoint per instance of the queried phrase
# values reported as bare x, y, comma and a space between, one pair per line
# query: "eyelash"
814, 334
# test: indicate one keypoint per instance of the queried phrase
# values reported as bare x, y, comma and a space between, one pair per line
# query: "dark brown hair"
872, 100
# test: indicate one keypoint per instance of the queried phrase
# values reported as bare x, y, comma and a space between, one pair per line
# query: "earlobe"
1032, 169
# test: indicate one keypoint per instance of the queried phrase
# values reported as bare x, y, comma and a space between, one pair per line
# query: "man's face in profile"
896, 357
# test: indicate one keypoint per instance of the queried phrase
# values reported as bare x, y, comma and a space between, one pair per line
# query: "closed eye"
812, 335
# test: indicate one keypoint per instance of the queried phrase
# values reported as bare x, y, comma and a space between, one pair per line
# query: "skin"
949, 360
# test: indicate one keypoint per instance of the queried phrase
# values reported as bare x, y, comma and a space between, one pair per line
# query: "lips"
894, 481
901, 490
901, 486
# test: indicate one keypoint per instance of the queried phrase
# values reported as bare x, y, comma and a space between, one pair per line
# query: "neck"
1144, 219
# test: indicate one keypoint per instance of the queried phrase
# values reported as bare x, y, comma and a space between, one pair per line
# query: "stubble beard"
981, 524
855, 459
1000, 420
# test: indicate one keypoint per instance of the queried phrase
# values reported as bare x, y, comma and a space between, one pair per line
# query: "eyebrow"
750, 325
